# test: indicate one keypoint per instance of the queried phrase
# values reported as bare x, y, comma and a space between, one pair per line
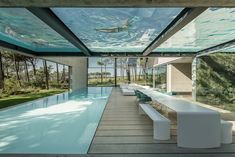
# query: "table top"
176, 104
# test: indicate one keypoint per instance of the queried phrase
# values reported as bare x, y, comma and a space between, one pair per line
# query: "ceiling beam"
139, 54
17, 49
117, 3
216, 48
185, 17
47, 16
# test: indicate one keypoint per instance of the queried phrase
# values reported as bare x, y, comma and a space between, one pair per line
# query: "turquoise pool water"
60, 124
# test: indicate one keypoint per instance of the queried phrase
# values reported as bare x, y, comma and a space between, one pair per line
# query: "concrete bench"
161, 125
226, 132
128, 92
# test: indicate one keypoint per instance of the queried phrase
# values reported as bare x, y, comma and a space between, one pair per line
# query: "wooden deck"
123, 132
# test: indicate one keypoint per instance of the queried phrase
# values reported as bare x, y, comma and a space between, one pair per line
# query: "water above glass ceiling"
212, 27
20, 27
116, 29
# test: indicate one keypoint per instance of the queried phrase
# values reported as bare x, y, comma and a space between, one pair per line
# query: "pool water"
59, 124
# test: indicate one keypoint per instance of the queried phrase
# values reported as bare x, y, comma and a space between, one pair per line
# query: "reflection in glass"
116, 29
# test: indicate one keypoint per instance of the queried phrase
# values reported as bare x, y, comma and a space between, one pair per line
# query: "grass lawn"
17, 99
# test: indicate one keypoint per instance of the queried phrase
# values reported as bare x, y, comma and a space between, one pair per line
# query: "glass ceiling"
212, 27
116, 29
20, 27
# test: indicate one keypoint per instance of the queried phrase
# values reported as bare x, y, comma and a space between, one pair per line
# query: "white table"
197, 127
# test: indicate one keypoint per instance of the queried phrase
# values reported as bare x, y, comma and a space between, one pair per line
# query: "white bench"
161, 125
226, 132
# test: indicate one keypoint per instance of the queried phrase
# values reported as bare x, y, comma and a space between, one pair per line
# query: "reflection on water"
64, 123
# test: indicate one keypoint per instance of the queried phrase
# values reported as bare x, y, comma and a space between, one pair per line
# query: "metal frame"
22, 50
25, 51
47, 16
184, 17
216, 48
115, 72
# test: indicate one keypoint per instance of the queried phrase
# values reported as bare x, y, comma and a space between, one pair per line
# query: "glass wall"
149, 77
101, 72
160, 77
24, 78
215, 80
130, 70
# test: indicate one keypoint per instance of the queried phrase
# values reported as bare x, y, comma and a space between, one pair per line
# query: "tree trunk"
57, 73
101, 75
139, 73
34, 69
46, 74
105, 73
135, 70
128, 74
7, 71
63, 74
122, 73
16, 63
26, 71
1, 73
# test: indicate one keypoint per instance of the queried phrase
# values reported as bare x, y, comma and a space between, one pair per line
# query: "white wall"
179, 77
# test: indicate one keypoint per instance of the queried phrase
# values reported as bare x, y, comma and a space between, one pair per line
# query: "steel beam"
185, 17
47, 16
117, 3
216, 48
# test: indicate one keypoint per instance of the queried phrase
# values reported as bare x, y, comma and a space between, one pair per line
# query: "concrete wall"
78, 70
164, 60
179, 77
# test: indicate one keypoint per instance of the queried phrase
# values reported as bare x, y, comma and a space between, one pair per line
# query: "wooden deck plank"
155, 148
125, 127
129, 139
123, 132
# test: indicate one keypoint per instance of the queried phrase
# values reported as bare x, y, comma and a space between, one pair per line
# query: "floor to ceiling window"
215, 80
130, 70
149, 77
160, 77
101, 72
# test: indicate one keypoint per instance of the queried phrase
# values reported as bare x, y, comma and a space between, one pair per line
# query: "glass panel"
160, 77
20, 27
149, 77
101, 72
212, 27
117, 29
215, 80
131, 70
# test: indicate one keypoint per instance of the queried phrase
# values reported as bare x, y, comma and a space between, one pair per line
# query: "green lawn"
17, 99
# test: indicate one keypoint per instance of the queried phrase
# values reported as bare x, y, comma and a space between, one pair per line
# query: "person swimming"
126, 27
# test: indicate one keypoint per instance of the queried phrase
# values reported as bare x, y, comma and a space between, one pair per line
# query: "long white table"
197, 127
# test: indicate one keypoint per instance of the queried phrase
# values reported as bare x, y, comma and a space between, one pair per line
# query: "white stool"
226, 132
